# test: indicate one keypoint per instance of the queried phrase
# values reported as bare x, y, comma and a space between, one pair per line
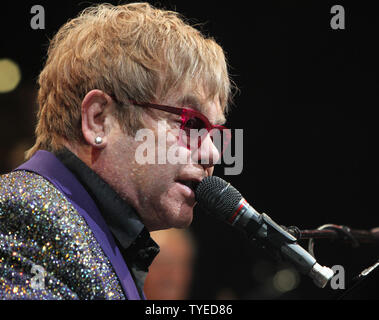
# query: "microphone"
220, 198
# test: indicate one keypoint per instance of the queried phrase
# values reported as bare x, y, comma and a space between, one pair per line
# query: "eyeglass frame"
185, 114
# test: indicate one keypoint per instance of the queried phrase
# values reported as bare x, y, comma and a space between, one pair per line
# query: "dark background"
307, 105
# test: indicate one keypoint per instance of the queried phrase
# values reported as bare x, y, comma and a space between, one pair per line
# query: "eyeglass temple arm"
169, 109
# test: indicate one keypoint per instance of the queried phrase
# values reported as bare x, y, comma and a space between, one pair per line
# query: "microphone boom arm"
267, 233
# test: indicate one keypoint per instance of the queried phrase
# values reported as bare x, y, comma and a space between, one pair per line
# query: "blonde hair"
131, 51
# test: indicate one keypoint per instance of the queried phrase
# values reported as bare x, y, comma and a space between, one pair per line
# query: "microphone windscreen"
217, 196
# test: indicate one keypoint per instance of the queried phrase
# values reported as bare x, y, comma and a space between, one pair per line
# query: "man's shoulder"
31, 206
40, 226
18, 183
24, 193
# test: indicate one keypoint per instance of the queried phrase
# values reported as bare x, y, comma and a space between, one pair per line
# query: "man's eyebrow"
193, 101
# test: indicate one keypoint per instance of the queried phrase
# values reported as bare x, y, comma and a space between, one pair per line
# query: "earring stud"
98, 140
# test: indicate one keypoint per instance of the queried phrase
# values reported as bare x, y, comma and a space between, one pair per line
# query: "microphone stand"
343, 233
334, 232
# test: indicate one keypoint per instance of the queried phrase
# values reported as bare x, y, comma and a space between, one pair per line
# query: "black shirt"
131, 236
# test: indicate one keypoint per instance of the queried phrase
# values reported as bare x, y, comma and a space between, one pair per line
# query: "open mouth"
190, 184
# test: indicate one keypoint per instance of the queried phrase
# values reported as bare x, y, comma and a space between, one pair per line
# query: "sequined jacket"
53, 241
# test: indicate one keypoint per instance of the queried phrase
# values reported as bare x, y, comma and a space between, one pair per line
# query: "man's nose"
207, 153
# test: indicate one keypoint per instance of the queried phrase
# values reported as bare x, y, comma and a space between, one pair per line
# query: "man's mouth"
190, 184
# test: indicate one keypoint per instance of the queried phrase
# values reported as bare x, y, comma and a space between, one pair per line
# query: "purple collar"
48, 166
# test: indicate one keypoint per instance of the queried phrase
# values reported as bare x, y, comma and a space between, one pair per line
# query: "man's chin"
184, 218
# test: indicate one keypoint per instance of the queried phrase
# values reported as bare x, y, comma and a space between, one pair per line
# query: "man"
75, 218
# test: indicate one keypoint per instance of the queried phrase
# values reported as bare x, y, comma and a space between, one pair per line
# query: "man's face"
161, 192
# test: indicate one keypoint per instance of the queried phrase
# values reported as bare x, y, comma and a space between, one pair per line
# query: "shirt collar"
122, 219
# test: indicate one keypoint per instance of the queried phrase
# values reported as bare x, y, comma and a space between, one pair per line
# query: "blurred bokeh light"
10, 75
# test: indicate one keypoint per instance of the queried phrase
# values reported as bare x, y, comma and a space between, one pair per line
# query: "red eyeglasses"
195, 127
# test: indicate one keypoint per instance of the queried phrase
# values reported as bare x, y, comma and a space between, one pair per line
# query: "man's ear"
96, 108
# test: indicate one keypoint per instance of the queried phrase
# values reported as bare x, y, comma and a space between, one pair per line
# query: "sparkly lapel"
48, 166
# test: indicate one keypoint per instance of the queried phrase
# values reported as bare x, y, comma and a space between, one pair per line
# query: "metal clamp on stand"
290, 250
